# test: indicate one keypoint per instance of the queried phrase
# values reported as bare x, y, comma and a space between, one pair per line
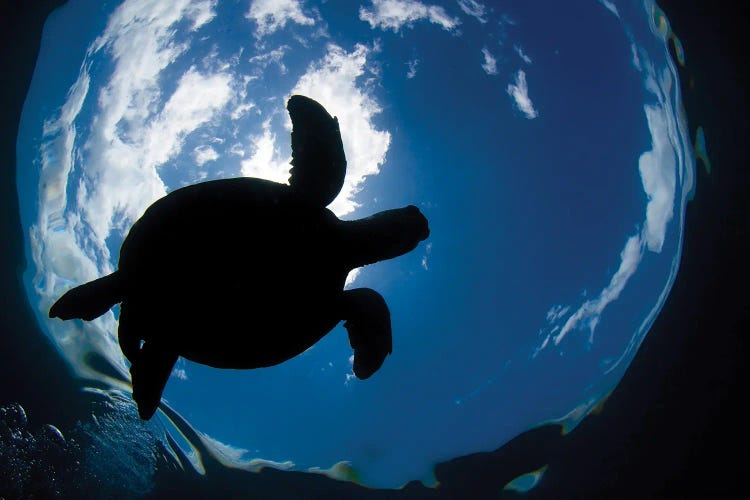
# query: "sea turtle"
247, 273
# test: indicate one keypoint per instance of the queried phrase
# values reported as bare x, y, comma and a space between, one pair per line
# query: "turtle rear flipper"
149, 372
368, 322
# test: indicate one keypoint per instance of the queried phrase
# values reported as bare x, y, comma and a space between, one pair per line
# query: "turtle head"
386, 235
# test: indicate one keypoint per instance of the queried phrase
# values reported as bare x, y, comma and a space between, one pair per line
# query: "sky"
546, 151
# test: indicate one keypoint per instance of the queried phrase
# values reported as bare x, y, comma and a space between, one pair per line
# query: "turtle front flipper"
90, 300
318, 159
368, 322
149, 372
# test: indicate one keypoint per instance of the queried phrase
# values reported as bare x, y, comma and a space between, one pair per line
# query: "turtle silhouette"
247, 273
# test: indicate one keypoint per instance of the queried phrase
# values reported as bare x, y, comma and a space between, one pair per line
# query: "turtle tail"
90, 300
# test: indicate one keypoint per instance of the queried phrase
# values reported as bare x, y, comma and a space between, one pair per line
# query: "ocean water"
101, 448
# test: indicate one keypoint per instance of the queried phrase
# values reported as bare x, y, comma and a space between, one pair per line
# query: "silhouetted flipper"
90, 300
368, 322
149, 372
318, 159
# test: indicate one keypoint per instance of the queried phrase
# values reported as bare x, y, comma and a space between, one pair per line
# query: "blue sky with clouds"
541, 141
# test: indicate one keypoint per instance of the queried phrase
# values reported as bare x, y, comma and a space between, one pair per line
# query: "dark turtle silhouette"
247, 273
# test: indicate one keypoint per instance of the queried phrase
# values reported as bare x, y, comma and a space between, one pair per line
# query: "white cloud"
520, 93
490, 63
57, 255
474, 9
522, 54
352, 277
204, 154
658, 175
333, 82
69, 111
239, 111
590, 312
394, 14
266, 160
556, 312
275, 56
610, 6
635, 58
412, 68
179, 373
350, 376
272, 15
237, 149
201, 13
195, 101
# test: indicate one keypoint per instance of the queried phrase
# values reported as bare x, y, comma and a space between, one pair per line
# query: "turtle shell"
236, 263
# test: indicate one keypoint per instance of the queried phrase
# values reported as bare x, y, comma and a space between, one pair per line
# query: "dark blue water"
81, 451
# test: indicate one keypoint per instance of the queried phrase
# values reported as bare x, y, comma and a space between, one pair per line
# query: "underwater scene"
544, 141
